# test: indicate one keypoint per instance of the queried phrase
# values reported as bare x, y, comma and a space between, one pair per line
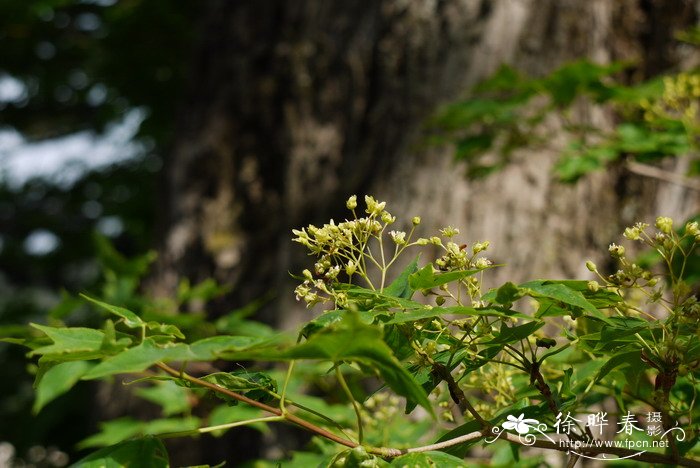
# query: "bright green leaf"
77, 341
58, 380
131, 320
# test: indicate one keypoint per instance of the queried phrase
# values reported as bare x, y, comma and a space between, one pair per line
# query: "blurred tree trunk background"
295, 105
291, 106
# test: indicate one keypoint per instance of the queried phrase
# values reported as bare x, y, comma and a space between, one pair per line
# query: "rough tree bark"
297, 104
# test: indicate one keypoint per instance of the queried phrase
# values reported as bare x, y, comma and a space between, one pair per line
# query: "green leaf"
331, 317
225, 414
428, 460
624, 359
139, 358
427, 277
257, 386
70, 343
170, 396
131, 320
112, 432
505, 295
561, 292
430, 312
513, 334
148, 452
57, 381
400, 286
165, 329
228, 347
352, 340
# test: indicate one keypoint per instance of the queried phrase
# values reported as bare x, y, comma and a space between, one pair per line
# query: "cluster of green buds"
673, 247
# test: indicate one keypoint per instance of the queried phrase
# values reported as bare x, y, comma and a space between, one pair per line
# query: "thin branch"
657, 173
242, 398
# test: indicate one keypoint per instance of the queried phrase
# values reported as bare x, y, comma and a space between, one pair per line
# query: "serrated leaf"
427, 277
139, 358
76, 341
428, 460
561, 292
57, 381
131, 320
140, 453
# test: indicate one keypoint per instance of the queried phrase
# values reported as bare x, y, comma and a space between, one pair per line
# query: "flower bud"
440, 300
632, 233
352, 202
593, 286
350, 268
416, 220
692, 229
307, 274
591, 266
664, 224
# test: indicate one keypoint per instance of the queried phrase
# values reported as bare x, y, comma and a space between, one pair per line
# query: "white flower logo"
520, 424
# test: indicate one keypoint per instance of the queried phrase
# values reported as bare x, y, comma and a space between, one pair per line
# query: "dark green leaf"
624, 359
428, 460
400, 286
513, 334
140, 453
427, 277
255, 385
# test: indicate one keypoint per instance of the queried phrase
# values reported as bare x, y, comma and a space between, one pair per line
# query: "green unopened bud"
387, 217
692, 229
593, 286
664, 224
352, 202
440, 300
422, 241
632, 233
480, 247
307, 274
652, 282
591, 266
416, 220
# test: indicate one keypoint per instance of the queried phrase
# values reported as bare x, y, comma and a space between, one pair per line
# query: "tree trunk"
297, 104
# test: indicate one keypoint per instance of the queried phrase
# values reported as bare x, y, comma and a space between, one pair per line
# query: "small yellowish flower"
664, 224
399, 237
449, 231
352, 202
616, 250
